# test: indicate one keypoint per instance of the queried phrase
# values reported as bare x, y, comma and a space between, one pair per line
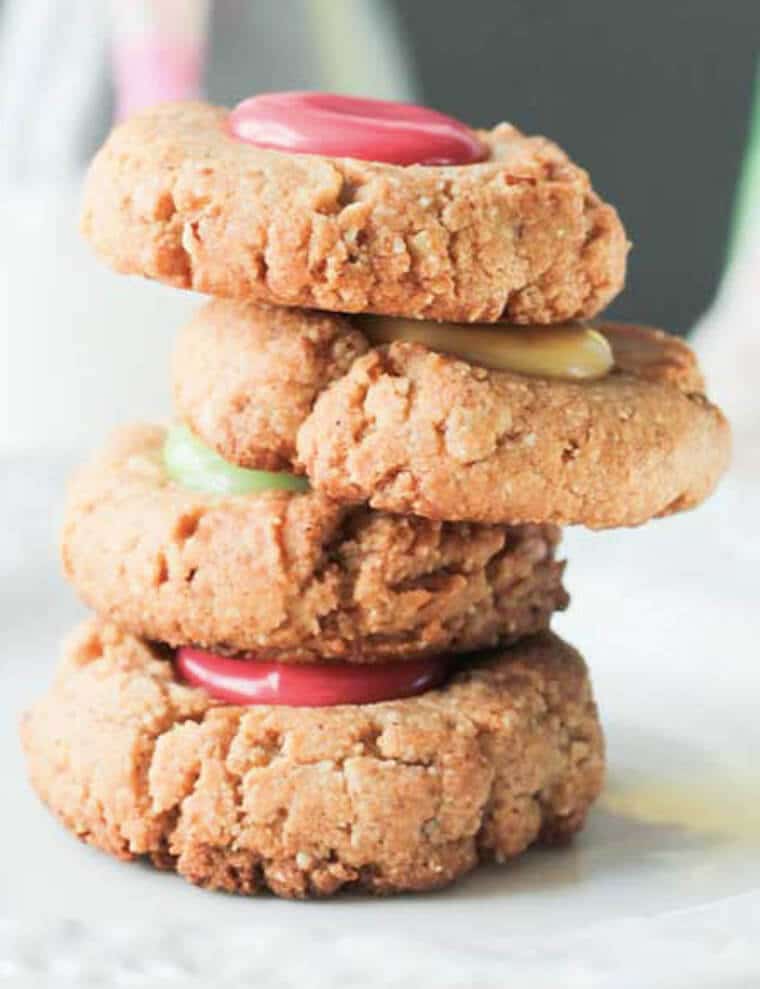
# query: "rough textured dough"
408, 430
245, 376
522, 236
411, 431
405, 795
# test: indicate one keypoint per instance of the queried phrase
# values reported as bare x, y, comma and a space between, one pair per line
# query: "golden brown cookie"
403, 795
294, 576
173, 196
411, 431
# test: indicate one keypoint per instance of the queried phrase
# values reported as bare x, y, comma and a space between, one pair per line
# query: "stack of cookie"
322, 656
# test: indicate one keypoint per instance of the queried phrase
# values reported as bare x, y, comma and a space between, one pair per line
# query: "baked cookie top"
521, 235
306, 801
407, 429
294, 577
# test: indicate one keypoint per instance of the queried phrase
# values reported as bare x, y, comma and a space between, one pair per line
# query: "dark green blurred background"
652, 96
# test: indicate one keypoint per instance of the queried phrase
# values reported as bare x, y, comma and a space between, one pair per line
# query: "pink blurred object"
153, 72
158, 51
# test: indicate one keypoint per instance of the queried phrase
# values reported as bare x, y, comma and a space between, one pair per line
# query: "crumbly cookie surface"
294, 576
521, 236
408, 430
245, 376
404, 795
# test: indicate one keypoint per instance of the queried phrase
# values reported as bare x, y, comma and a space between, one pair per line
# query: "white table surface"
661, 890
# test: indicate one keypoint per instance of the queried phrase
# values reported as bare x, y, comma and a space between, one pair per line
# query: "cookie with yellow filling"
410, 430
602, 425
398, 796
293, 575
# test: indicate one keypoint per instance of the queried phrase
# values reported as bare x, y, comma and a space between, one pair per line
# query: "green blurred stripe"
747, 203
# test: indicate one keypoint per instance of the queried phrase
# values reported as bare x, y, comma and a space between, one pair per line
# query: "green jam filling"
196, 466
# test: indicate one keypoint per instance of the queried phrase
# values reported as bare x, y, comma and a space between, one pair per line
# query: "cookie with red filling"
176, 195
307, 801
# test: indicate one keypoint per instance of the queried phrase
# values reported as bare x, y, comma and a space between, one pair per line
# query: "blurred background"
655, 99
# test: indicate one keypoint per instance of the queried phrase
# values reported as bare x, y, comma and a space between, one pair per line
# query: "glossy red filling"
350, 127
246, 680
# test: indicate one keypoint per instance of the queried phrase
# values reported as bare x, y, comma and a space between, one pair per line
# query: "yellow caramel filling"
573, 351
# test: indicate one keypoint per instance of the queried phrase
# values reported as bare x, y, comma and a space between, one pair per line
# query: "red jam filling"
246, 680
351, 127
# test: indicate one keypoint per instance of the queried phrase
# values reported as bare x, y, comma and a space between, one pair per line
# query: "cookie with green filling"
290, 575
